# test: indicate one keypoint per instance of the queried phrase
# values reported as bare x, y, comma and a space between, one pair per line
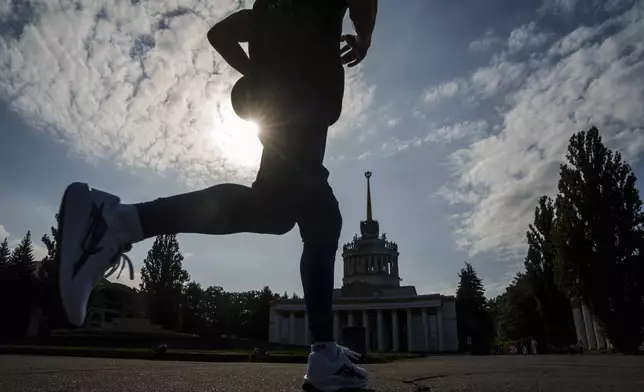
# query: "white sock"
131, 224
329, 350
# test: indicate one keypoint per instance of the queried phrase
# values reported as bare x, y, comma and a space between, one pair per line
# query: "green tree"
555, 324
7, 283
163, 279
600, 241
193, 308
51, 242
472, 313
516, 311
5, 252
23, 257
19, 284
46, 281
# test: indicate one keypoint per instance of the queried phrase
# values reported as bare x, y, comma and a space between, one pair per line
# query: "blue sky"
462, 111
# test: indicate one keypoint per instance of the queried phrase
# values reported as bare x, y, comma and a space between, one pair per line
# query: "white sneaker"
335, 375
91, 246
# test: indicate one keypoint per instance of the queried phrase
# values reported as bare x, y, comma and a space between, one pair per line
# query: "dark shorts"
292, 184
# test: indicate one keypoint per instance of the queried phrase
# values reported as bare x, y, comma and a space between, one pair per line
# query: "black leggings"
291, 187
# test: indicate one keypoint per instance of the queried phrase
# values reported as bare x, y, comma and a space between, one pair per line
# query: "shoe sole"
75, 195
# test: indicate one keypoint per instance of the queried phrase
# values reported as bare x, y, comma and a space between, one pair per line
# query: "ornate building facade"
395, 317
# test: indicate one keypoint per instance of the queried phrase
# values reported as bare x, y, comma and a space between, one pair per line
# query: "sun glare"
238, 140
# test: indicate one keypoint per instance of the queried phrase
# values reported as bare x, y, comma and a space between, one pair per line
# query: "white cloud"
526, 37
463, 131
358, 97
576, 7
445, 90
559, 6
573, 41
39, 251
133, 82
485, 43
502, 175
500, 74
497, 77
3, 233
466, 130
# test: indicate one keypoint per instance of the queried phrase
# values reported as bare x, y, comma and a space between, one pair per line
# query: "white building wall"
450, 331
418, 340
450, 335
280, 325
272, 326
433, 332
299, 330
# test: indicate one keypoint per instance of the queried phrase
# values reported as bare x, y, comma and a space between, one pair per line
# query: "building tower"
370, 260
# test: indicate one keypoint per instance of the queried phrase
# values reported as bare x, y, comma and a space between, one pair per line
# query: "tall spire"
369, 228
369, 215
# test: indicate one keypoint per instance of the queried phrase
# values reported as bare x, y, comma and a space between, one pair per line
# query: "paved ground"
588, 373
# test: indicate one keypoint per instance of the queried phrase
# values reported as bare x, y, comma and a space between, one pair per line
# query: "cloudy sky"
462, 111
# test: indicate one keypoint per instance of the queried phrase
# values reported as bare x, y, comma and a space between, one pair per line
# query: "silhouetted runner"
297, 78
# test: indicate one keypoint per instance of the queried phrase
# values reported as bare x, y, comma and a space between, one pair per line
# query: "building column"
425, 329
365, 325
306, 328
590, 328
350, 321
394, 329
578, 316
275, 319
291, 328
439, 321
410, 330
336, 325
599, 333
381, 332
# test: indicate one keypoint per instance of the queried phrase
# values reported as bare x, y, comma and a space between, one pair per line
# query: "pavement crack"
415, 380
421, 387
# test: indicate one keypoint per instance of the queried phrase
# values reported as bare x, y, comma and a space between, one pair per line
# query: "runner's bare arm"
363, 14
226, 35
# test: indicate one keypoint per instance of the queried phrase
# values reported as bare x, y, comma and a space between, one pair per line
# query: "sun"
238, 140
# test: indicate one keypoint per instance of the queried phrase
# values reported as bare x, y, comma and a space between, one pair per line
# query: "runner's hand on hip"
354, 51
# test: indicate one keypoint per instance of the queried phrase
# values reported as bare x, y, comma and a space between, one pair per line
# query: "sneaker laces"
352, 355
120, 259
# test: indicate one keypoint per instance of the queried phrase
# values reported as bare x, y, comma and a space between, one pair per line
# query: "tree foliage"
173, 302
473, 317
555, 324
163, 279
600, 241
16, 286
5, 252
516, 311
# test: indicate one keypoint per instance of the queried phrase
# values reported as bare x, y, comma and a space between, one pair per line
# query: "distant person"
524, 347
296, 78
533, 347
